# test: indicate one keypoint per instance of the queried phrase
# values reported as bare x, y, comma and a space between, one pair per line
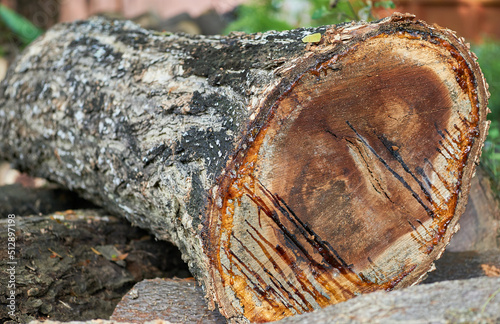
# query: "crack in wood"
394, 173
389, 146
377, 186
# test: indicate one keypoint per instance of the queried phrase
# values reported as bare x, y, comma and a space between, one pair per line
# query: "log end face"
353, 184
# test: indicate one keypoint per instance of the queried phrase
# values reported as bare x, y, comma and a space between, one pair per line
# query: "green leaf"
312, 38
19, 25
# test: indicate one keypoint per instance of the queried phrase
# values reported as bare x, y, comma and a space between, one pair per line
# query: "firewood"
292, 173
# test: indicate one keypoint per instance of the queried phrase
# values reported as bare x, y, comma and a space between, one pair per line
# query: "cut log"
291, 175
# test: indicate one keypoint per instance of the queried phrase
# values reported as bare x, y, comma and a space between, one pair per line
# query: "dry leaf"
490, 270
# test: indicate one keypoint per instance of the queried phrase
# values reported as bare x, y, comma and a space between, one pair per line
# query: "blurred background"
478, 21
472, 19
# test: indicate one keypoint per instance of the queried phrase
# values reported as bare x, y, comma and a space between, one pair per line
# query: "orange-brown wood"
356, 178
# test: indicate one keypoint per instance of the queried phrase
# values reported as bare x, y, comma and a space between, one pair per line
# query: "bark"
291, 175
171, 300
60, 273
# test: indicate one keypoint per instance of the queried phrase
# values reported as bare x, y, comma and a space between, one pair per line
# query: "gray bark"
172, 300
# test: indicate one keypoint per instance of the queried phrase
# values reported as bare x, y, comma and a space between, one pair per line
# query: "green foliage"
259, 16
333, 12
490, 158
264, 15
19, 26
488, 53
